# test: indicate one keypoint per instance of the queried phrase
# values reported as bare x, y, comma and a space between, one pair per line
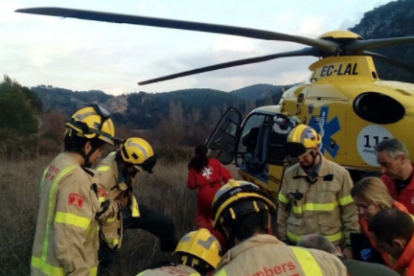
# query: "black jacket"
358, 268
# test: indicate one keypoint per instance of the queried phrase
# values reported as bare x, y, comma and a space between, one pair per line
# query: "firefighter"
66, 240
315, 194
393, 231
243, 214
117, 174
397, 171
197, 254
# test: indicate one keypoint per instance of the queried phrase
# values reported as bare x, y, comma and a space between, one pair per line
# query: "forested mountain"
259, 91
390, 20
67, 101
143, 110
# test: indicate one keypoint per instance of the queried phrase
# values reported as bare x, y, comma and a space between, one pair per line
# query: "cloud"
83, 55
278, 71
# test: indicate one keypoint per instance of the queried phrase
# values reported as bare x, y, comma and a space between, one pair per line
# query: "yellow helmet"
92, 121
224, 207
301, 140
201, 244
139, 153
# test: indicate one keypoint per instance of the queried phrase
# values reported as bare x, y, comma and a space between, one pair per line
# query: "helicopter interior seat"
250, 141
262, 149
280, 131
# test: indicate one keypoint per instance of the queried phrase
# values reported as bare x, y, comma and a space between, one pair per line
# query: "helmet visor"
296, 150
148, 165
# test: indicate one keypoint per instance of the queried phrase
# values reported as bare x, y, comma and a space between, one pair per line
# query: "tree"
34, 99
16, 112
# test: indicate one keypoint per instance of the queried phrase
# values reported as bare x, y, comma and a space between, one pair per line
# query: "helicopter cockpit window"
282, 125
253, 145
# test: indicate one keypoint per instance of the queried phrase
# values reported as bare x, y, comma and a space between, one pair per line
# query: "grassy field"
165, 190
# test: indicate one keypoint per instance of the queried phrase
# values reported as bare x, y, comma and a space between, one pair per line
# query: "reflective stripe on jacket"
388, 259
110, 180
179, 270
325, 207
266, 255
110, 187
66, 239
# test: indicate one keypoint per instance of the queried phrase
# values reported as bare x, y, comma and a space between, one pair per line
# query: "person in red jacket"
393, 231
397, 171
206, 174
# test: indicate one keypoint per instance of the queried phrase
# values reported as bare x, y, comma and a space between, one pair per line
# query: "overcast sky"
85, 55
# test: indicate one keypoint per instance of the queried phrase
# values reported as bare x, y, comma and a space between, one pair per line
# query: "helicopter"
344, 100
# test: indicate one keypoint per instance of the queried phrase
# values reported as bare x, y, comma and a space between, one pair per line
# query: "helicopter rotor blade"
362, 45
327, 46
391, 61
309, 51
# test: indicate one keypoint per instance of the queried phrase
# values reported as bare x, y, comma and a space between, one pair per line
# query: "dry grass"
165, 191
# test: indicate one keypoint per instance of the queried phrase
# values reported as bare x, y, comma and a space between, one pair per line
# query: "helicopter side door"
223, 141
261, 156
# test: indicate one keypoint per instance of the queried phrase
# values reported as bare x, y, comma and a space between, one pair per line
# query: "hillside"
257, 91
65, 100
144, 110
390, 20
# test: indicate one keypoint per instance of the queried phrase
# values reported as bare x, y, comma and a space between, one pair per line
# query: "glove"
108, 209
110, 220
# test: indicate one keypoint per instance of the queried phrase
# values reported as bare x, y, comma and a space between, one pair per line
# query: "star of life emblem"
207, 172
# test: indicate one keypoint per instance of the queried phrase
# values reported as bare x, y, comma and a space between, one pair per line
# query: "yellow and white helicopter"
344, 100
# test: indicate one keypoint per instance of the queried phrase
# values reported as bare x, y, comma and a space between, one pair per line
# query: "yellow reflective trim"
112, 242
315, 207
111, 219
135, 208
102, 199
346, 200
51, 209
222, 272
333, 238
93, 271
47, 268
103, 168
56, 270
307, 261
142, 273
283, 199
72, 219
